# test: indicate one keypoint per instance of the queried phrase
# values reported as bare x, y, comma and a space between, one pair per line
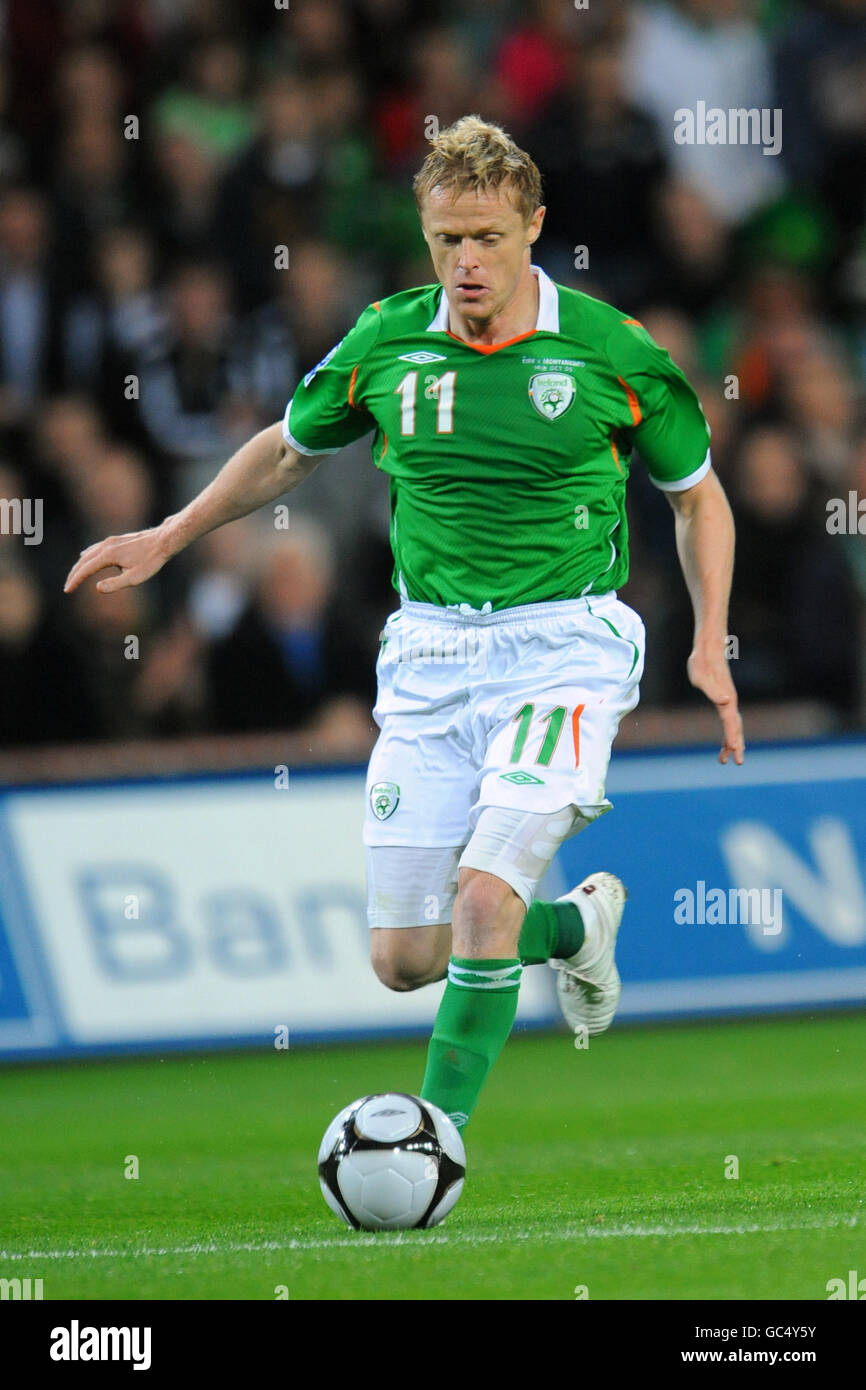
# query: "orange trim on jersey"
615, 455
636, 416
352, 381
376, 303
487, 348
385, 448
575, 732
637, 323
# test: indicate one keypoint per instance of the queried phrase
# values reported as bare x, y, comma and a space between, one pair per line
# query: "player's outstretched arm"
705, 545
261, 470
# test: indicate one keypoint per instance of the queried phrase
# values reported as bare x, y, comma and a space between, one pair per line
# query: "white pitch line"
386, 1240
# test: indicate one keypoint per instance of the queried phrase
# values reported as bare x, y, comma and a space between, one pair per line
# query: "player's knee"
484, 900
487, 915
394, 976
396, 970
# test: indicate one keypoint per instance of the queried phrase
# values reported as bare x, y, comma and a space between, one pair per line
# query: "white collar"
548, 306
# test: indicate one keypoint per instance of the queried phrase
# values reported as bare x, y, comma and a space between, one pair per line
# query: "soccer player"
506, 409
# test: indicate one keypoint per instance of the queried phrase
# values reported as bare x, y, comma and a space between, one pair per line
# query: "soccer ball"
390, 1162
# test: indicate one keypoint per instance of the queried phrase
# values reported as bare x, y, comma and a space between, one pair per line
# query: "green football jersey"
507, 463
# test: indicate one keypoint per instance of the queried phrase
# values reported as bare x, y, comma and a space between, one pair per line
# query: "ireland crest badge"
551, 393
384, 797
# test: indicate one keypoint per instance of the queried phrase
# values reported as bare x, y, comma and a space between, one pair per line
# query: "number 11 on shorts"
554, 719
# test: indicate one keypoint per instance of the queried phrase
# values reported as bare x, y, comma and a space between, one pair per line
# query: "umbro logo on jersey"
422, 358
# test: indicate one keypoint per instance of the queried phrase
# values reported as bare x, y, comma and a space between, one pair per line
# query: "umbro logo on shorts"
521, 779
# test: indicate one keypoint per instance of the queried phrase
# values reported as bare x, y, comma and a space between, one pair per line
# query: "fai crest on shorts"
551, 393
384, 797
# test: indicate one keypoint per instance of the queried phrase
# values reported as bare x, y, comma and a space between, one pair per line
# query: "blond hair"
476, 154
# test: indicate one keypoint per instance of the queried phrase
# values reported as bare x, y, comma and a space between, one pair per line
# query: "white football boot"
588, 985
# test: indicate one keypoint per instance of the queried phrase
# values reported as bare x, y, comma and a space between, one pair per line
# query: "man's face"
478, 242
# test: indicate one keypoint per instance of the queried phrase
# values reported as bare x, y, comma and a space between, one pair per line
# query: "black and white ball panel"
418, 1188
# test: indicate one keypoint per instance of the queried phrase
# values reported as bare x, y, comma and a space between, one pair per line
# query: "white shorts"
515, 710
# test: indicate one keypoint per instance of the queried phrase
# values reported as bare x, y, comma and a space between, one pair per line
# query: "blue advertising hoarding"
747, 885
214, 911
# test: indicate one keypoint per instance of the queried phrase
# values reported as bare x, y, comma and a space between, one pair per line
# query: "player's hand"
709, 672
136, 556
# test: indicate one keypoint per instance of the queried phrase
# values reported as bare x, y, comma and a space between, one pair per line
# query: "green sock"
550, 929
474, 1019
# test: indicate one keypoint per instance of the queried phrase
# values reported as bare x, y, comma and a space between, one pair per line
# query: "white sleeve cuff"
296, 443
680, 484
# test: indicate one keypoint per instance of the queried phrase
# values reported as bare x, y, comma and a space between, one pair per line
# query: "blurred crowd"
154, 153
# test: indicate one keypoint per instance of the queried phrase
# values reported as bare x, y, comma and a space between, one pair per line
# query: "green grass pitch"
602, 1168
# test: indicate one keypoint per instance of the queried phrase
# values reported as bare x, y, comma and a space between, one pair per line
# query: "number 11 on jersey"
444, 389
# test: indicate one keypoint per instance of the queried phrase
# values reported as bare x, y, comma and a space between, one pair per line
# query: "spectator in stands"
223, 577
209, 108
43, 690
316, 300
193, 381
316, 39
13, 151
91, 83
710, 51
95, 189
533, 62
820, 72
602, 167
184, 192
113, 495
790, 576
437, 86
383, 33
108, 329
170, 694
291, 650
822, 407
769, 325
115, 634
66, 437
691, 266
29, 309
272, 195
